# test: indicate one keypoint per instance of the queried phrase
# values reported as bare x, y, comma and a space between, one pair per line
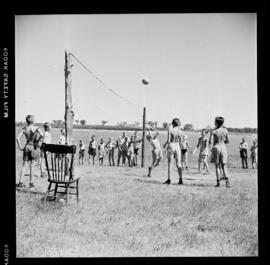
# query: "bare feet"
168, 181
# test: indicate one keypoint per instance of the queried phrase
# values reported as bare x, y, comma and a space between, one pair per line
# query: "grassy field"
124, 213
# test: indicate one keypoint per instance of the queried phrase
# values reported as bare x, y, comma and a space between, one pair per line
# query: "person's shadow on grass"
194, 184
28, 190
148, 180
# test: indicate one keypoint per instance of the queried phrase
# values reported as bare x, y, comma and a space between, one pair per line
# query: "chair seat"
64, 181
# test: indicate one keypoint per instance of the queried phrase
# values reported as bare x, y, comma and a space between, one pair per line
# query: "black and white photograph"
136, 135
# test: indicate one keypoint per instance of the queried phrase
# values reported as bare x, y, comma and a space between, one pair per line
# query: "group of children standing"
243, 147
127, 150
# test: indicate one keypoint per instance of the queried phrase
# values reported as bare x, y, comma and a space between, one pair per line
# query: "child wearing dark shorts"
31, 150
92, 150
243, 146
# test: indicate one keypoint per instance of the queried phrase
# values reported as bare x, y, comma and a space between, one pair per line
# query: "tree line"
135, 126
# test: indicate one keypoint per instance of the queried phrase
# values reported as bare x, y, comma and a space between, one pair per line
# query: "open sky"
199, 66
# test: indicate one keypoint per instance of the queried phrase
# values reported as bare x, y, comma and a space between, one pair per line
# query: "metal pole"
143, 138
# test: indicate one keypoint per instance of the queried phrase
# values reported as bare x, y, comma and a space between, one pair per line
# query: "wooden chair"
59, 164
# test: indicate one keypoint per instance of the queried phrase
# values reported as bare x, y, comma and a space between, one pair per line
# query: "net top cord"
102, 83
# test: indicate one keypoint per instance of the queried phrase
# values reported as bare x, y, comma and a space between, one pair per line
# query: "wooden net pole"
143, 137
69, 114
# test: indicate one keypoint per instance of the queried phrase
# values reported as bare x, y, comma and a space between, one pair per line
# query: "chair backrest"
59, 161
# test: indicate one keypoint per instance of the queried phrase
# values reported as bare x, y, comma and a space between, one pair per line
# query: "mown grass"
124, 213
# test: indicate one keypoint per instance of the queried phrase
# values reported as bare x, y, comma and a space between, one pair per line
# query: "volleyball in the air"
145, 81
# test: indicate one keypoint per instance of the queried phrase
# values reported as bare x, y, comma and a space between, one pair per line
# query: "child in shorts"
184, 148
47, 139
119, 143
81, 151
137, 145
218, 138
62, 138
110, 146
156, 152
92, 149
243, 146
254, 154
173, 143
203, 147
130, 152
31, 150
101, 151
124, 150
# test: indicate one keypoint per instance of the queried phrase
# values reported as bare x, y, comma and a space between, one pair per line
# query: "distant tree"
243, 130
103, 122
82, 122
208, 127
165, 124
150, 123
20, 123
250, 130
188, 127
77, 121
58, 123
156, 124
122, 123
137, 124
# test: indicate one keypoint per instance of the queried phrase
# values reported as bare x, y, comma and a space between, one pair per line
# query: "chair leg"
77, 188
47, 193
55, 191
67, 191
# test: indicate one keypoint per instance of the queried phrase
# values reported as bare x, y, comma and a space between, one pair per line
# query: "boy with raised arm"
156, 152
218, 138
173, 149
